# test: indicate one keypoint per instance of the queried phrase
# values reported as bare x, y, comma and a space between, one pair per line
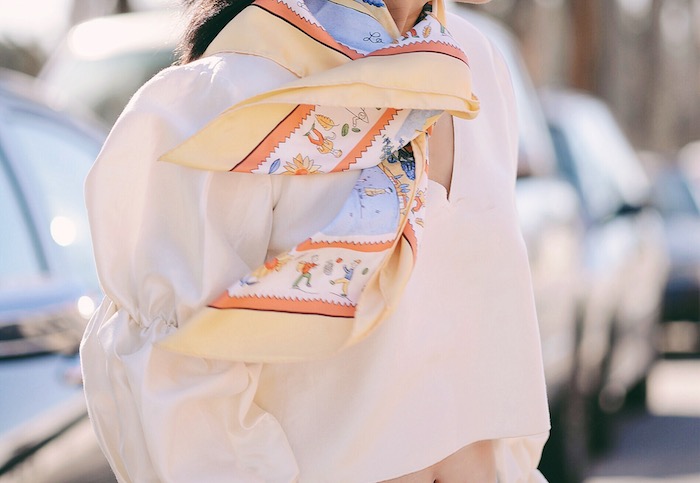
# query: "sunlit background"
608, 193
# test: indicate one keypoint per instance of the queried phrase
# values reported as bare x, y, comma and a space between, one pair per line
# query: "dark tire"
566, 455
599, 428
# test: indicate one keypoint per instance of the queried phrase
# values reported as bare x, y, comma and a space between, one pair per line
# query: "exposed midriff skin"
472, 464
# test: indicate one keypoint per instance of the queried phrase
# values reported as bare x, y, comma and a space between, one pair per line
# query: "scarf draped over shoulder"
365, 99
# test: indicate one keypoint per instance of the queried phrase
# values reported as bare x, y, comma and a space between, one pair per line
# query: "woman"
290, 328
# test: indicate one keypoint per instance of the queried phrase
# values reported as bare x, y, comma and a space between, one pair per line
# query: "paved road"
660, 443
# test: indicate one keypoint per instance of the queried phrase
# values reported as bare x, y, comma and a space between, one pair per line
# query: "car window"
598, 193
536, 150
607, 170
19, 258
57, 157
673, 195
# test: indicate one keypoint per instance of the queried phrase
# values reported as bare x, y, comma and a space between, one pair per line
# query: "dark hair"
207, 19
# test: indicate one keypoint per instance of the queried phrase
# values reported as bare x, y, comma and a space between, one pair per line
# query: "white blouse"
458, 363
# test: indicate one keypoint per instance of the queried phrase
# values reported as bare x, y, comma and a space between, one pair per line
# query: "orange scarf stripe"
427, 46
278, 135
279, 9
367, 140
279, 304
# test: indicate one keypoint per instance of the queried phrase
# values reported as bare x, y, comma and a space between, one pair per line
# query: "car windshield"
20, 260
57, 157
595, 152
673, 196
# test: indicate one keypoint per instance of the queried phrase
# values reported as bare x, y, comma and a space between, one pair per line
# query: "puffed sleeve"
167, 238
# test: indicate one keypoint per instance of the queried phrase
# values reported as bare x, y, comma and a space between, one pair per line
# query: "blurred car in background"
48, 285
551, 224
103, 61
625, 263
679, 203
18, 57
689, 162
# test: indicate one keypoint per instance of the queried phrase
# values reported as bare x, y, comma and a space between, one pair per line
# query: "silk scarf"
365, 99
